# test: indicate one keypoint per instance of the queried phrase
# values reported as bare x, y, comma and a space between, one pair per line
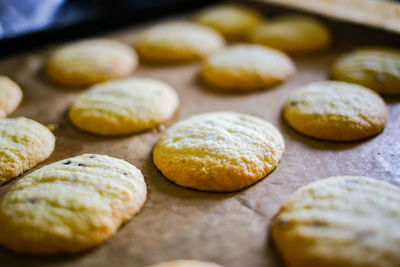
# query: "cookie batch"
77, 203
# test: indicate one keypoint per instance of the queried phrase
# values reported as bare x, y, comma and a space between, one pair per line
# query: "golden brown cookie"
186, 263
10, 96
178, 42
70, 205
231, 21
24, 143
246, 68
376, 68
292, 34
219, 151
124, 106
91, 61
340, 221
336, 111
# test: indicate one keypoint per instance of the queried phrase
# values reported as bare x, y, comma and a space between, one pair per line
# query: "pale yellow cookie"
231, 21
10, 96
340, 221
292, 34
186, 263
70, 205
91, 61
219, 151
376, 68
246, 68
24, 143
336, 111
124, 106
178, 42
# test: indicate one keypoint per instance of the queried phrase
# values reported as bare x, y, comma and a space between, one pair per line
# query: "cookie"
219, 151
124, 106
24, 143
292, 34
246, 68
340, 221
336, 111
178, 42
376, 68
186, 263
232, 21
10, 96
91, 61
70, 205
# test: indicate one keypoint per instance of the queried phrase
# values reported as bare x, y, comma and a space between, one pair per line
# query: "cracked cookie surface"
340, 222
231, 21
376, 68
219, 151
336, 111
92, 61
24, 143
124, 106
177, 42
10, 96
70, 205
246, 68
292, 34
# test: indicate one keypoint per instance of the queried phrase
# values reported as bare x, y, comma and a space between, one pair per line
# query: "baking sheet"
230, 229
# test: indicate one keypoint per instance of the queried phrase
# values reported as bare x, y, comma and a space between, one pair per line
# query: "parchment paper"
229, 229
383, 14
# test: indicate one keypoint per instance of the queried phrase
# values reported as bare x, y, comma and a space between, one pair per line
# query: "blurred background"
27, 23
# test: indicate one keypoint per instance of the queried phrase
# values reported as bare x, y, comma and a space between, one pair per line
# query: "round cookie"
124, 106
24, 143
70, 205
10, 96
219, 151
336, 111
376, 68
246, 68
91, 61
340, 221
178, 42
292, 34
186, 263
233, 22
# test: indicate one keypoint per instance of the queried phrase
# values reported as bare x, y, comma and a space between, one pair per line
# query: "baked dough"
219, 151
70, 205
336, 111
124, 106
340, 222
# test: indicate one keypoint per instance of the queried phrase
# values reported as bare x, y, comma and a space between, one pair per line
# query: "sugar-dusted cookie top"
336, 111
91, 61
70, 205
340, 221
231, 21
377, 68
177, 42
246, 68
10, 96
23, 144
292, 34
219, 151
124, 106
